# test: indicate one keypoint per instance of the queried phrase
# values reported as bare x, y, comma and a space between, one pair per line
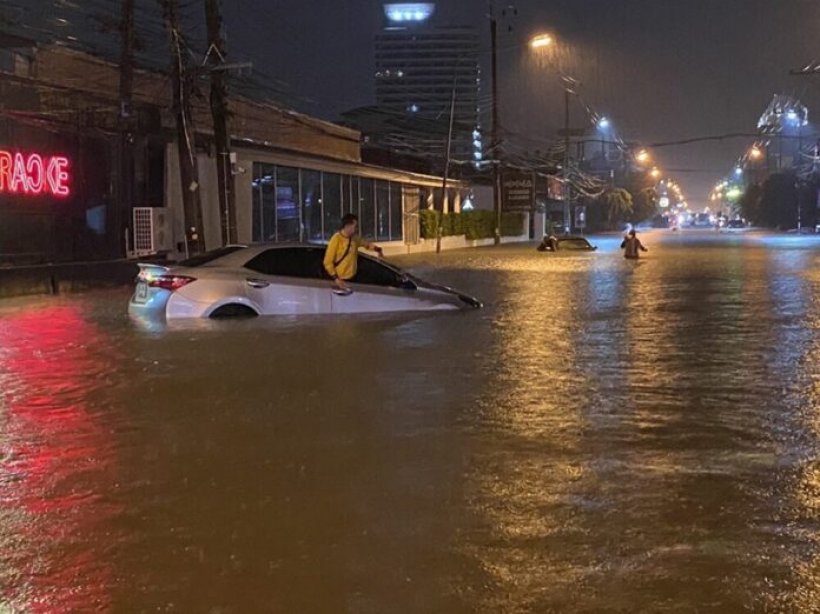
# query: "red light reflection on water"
54, 454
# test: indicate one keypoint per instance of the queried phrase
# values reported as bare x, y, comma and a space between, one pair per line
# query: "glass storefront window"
293, 204
311, 205
382, 211
264, 202
350, 194
288, 224
331, 203
396, 212
367, 211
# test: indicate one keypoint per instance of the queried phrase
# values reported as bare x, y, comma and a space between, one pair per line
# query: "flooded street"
603, 436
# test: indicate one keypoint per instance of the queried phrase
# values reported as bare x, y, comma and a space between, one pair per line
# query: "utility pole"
182, 78
125, 187
567, 188
219, 113
494, 138
446, 165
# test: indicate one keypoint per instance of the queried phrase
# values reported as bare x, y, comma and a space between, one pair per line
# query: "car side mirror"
405, 283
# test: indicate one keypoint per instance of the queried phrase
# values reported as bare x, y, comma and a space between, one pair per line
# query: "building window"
350, 195
382, 211
287, 204
396, 212
367, 210
264, 202
331, 203
311, 205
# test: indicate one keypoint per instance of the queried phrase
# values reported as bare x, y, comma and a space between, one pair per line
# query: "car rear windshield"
207, 257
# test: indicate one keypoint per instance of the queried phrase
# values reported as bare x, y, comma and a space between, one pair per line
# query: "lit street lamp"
541, 40
540, 43
642, 156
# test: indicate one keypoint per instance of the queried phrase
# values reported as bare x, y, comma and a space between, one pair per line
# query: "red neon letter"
36, 174
5, 171
57, 176
18, 176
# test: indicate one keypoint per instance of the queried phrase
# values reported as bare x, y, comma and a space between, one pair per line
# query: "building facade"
294, 176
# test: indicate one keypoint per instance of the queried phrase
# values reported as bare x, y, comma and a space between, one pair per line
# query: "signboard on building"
581, 217
518, 191
555, 188
33, 174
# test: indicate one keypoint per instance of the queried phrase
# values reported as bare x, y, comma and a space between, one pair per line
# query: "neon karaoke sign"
33, 174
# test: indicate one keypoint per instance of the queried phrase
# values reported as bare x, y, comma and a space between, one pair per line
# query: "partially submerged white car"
282, 279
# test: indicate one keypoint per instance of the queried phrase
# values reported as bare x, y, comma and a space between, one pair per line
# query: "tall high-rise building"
419, 63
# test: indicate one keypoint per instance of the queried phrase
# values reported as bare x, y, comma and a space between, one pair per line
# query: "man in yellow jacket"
342, 253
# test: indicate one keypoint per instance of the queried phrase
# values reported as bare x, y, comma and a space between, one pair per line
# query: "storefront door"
412, 203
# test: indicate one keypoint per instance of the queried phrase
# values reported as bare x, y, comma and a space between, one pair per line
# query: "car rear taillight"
170, 282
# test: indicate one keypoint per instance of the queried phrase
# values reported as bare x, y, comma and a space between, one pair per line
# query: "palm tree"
618, 204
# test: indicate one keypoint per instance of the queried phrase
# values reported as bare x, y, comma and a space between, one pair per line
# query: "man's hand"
379, 251
340, 283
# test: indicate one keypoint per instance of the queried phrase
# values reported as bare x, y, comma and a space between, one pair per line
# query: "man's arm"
371, 246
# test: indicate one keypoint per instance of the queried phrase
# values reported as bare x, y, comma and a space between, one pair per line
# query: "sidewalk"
68, 277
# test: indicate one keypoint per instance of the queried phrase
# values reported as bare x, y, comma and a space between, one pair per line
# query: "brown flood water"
603, 436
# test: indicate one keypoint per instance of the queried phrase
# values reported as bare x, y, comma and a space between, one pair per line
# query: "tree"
778, 201
645, 205
750, 204
617, 203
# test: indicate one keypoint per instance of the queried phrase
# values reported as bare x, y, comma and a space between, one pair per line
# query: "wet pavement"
603, 436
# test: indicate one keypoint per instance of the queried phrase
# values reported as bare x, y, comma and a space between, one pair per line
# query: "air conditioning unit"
152, 231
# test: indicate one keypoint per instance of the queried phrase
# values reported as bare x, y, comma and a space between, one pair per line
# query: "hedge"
473, 225
512, 224
428, 221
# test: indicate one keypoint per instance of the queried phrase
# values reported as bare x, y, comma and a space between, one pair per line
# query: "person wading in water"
342, 253
632, 246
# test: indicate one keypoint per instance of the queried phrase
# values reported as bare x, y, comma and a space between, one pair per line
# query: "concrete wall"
56, 278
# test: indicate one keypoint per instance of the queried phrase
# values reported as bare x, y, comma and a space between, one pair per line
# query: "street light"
655, 173
642, 156
539, 43
541, 40
603, 123
755, 153
738, 171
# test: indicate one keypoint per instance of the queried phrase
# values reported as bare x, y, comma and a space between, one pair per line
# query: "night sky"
662, 70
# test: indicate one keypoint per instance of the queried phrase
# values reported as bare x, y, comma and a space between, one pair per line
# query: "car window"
288, 262
208, 257
374, 273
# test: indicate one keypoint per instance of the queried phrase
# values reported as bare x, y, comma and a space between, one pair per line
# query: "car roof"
242, 256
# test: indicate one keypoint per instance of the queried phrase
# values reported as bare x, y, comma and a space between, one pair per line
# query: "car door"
377, 288
288, 281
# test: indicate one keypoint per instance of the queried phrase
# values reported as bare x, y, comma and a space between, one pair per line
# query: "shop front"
55, 201
289, 197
